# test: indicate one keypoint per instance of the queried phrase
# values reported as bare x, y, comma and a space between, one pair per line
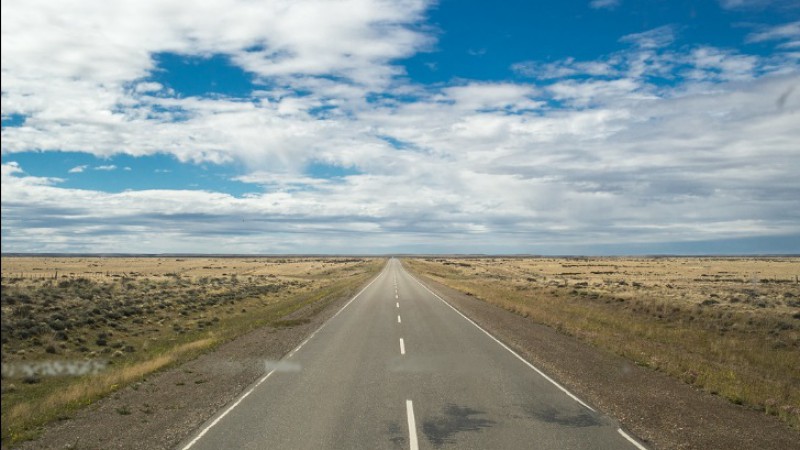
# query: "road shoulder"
165, 407
662, 412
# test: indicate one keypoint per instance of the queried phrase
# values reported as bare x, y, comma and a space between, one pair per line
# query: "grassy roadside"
139, 325
747, 355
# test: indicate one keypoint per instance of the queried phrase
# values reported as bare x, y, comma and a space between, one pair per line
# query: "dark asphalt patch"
454, 419
397, 434
549, 414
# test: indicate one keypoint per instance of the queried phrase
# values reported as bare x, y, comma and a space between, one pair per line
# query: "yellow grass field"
730, 326
125, 317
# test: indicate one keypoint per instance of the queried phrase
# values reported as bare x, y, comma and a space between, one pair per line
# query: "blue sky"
371, 126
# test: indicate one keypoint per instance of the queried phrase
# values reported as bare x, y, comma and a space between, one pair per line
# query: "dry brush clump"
730, 326
138, 315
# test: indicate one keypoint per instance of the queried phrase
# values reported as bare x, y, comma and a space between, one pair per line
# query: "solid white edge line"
402, 347
562, 388
412, 426
230, 408
264, 378
630, 439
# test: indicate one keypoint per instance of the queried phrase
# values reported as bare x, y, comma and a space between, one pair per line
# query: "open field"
730, 326
120, 319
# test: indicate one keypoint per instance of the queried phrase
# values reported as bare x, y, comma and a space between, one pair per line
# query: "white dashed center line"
398, 320
412, 426
402, 347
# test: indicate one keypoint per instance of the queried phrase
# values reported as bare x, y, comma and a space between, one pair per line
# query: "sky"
592, 127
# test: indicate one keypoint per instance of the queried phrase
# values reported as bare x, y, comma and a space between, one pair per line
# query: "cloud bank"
654, 143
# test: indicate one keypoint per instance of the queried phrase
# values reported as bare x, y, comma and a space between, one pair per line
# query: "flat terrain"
664, 412
613, 339
76, 329
399, 368
729, 326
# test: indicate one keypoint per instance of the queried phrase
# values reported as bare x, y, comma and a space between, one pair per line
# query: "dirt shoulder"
662, 412
166, 407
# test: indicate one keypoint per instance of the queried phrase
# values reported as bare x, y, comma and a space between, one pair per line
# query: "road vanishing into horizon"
399, 368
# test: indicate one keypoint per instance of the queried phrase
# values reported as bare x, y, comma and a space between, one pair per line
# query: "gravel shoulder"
164, 408
662, 412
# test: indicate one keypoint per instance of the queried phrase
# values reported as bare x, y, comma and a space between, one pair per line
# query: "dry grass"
730, 326
88, 389
140, 315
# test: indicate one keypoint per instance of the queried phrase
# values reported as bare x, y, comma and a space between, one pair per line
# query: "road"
399, 368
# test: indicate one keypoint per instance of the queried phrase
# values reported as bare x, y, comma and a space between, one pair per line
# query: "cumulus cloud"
643, 170
267, 38
78, 169
69, 69
598, 151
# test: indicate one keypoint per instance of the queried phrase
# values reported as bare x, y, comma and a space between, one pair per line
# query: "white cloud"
789, 33
752, 4
565, 68
584, 93
144, 87
67, 68
593, 151
11, 169
709, 63
604, 4
653, 59
13, 173
488, 96
78, 169
107, 168
307, 36
655, 38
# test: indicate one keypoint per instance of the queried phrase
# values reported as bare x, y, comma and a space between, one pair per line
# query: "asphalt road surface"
398, 368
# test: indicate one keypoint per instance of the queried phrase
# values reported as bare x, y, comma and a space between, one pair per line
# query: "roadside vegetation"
113, 321
729, 326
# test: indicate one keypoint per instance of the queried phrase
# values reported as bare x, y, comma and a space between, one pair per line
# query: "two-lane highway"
398, 368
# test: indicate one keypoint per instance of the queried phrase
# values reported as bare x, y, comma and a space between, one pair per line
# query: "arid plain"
729, 326
122, 318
